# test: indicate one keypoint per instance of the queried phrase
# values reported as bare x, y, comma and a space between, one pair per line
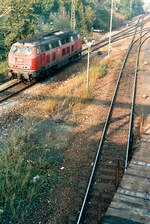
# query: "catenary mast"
73, 18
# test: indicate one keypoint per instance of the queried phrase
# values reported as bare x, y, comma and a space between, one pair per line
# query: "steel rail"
19, 91
105, 44
113, 41
104, 130
123, 31
9, 87
129, 34
132, 105
115, 37
133, 102
106, 39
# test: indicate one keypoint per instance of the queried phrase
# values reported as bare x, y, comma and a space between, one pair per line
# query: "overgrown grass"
27, 176
3, 71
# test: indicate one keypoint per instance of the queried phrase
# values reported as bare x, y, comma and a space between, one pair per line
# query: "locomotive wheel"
10, 75
30, 78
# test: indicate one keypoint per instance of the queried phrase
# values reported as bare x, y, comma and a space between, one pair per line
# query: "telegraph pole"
73, 17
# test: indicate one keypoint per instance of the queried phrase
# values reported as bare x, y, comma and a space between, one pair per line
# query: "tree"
85, 17
20, 21
137, 7
24, 18
125, 7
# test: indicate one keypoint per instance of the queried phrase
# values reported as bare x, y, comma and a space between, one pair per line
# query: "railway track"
123, 34
9, 85
15, 87
12, 89
127, 32
110, 168
114, 148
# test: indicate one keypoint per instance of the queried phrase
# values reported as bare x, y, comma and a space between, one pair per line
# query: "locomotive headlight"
27, 67
11, 64
11, 61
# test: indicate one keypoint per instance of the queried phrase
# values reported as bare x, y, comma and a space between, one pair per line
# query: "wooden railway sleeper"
117, 174
141, 125
99, 209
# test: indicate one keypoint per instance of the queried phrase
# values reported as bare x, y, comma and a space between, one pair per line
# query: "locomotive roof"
37, 39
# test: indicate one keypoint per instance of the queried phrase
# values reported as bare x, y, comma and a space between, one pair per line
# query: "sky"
147, 1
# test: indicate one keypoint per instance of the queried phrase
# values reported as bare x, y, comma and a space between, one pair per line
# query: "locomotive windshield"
27, 51
16, 50
19, 50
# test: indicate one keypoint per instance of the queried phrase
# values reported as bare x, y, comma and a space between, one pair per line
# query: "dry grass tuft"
73, 94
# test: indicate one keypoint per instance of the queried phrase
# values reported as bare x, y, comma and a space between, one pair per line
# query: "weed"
104, 70
3, 71
24, 181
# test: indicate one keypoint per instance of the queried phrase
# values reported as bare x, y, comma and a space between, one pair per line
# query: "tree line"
23, 18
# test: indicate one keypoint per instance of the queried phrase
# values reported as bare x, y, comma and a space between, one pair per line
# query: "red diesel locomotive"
30, 58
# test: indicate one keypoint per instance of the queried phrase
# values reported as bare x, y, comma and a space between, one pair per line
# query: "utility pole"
88, 66
73, 17
109, 46
131, 2
89, 45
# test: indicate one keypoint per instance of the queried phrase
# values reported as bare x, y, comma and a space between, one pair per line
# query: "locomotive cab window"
55, 44
47, 47
63, 41
78, 35
50, 46
38, 51
67, 40
44, 47
15, 50
59, 42
71, 39
27, 51
75, 37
